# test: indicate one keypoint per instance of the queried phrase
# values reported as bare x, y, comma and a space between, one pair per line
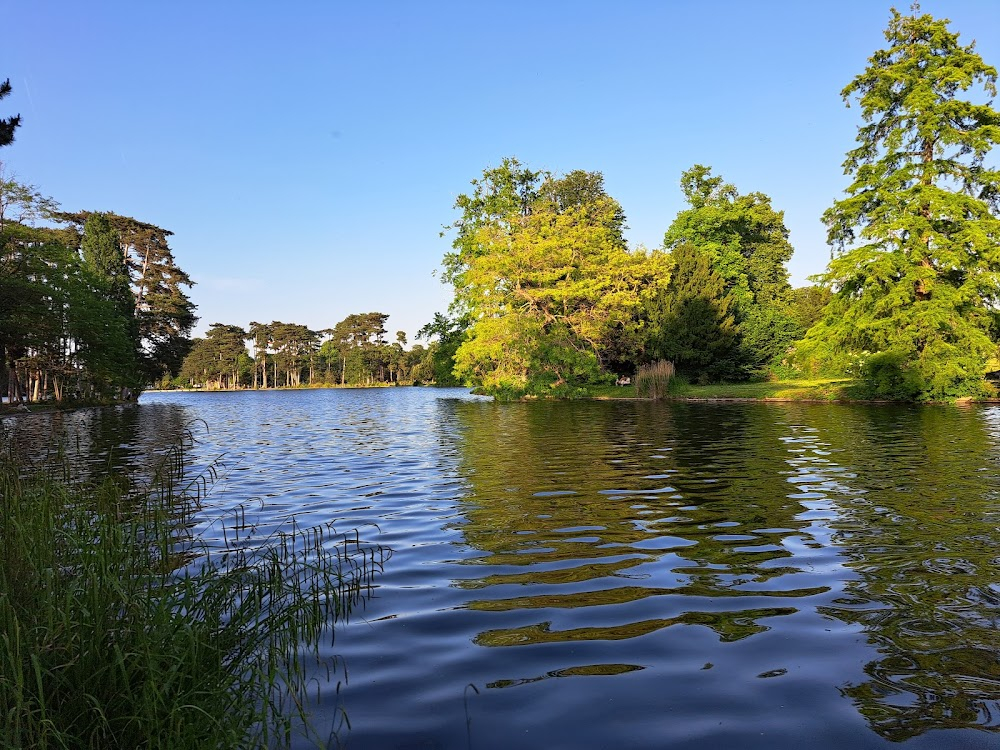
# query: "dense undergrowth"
119, 628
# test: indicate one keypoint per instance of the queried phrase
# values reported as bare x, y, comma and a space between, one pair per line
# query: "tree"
261, 340
34, 275
103, 259
10, 124
164, 312
917, 270
449, 333
357, 348
544, 277
746, 242
808, 303
692, 321
294, 346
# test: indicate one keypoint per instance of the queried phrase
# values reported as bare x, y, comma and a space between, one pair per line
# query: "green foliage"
357, 350
888, 375
543, 276
219, 360
766, 332
90, 315
164, 312
105, 264
8, 124
807, 306
691, 320
121, 631
450, 333
747, 245
917, 274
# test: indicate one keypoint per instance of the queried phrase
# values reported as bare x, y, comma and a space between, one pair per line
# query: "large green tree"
219, 359
449, 333
917, 237
544, 278
746, 242
102, 257
163, 309
357, 350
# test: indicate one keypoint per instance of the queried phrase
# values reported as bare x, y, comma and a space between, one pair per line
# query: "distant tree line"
289, 355
548, 297
92, 304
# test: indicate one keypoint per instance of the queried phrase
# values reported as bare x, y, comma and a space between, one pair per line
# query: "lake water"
623, 574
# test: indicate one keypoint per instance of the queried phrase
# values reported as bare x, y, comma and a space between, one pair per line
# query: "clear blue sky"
306, 154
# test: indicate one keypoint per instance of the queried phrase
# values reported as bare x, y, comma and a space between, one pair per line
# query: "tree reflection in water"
714, 515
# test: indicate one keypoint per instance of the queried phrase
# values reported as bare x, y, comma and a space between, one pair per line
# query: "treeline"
92, 305
550, 299
289, 355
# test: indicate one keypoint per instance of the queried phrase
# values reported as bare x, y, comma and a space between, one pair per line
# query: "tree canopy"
746, 243
7, 124
543, 274
917, 237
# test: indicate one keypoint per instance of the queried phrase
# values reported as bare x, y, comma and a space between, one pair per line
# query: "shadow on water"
88, 442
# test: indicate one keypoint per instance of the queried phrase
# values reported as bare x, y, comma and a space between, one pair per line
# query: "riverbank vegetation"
123, 630
551, 300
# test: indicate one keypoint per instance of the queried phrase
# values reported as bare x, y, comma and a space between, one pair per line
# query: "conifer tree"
917, 270
692, 319
9, 124
746, 242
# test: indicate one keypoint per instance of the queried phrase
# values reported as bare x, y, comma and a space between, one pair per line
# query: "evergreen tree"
917, 274
102, 257
9, 124
691, 320
164, 312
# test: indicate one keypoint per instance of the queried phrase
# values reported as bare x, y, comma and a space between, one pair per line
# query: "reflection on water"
572, 574
132, 438
922, 533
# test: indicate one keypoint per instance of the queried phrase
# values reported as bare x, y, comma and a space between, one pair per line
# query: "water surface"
622, 574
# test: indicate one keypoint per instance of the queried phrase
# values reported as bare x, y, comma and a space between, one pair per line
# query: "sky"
306, 155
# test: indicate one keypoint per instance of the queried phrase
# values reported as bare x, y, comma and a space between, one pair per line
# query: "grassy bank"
784, 390
778, 390
118, 629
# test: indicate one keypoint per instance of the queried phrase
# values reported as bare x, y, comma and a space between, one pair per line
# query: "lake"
621, 573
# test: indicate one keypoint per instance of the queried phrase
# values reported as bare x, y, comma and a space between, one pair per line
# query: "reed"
653, 380
119, 628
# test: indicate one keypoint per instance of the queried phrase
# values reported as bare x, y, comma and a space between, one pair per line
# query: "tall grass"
653, 380
119, 629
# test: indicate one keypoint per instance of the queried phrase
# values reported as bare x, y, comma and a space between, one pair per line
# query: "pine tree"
9, 124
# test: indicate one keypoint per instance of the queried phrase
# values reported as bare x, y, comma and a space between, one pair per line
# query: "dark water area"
620, 574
